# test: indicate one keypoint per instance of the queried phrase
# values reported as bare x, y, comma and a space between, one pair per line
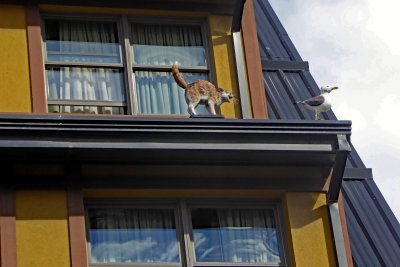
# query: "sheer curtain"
83, 42
132, 235
236, 235
157, 92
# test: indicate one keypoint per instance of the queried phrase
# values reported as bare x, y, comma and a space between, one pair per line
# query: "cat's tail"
178, 76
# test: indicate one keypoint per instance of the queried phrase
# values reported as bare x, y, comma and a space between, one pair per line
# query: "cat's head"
226, 96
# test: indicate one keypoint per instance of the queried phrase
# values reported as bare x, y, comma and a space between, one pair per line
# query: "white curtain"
157, 92
132, 235
236, 235
84, 42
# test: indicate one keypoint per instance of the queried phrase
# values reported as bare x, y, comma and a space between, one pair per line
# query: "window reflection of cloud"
232, 244
146, 250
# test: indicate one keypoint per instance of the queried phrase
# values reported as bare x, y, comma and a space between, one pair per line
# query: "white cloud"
345, 112
384, 21
388, 114
353, 44
146, 249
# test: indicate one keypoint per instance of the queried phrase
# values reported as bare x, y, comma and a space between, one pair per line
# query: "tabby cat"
201, 92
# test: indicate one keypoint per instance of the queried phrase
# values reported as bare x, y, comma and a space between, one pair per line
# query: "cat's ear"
220, 90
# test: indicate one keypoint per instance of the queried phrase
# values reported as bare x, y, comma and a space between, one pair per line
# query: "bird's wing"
314, 101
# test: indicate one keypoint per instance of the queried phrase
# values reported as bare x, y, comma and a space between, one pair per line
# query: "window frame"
184, 228
140, 205
128, 20
123, 23
120, 66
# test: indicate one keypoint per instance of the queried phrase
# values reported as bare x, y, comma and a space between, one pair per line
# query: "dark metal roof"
374, 231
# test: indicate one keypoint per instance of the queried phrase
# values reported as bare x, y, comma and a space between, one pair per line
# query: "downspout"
338, 235
241, 75
239, 58
333, 196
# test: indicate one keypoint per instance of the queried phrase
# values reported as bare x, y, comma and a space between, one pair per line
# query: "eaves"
288, 149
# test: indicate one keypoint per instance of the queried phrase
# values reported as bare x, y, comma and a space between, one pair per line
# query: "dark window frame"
127, 67
182, 208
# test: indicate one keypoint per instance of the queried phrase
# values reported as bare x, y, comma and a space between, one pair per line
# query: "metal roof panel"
373, 229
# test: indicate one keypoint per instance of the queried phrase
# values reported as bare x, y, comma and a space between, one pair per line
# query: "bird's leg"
317, 115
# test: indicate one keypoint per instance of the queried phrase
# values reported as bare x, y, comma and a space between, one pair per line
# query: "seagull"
320, 103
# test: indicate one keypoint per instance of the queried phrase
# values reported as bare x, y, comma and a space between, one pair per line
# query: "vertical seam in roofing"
271, 104
350, 203
357, 236
279, 29
383, 208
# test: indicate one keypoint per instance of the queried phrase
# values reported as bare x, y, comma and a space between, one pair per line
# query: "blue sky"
355, 44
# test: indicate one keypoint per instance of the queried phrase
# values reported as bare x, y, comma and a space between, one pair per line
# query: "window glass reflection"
235, 235
125, 235
77, 41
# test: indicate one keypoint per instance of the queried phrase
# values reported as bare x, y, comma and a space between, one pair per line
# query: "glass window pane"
89, 84
78, 83
127, 235
235, 235
107, 110
165, 44
158, 93
81, 41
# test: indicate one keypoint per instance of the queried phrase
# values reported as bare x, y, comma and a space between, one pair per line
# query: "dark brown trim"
344, 230
76, 224
36, 65
8, 240
253, 62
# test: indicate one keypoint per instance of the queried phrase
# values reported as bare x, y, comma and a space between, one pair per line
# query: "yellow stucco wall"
223, 54
14, 68
310, 238
42, 229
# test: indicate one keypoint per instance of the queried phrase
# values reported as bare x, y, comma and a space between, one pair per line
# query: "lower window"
184, 234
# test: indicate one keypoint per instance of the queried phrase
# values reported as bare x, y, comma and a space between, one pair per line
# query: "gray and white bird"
320, 103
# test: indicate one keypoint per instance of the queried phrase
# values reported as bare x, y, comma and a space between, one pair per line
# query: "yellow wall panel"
14, 68
225, 70
42, 229
309, 230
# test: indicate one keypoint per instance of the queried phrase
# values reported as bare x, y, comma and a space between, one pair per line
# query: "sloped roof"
373, 229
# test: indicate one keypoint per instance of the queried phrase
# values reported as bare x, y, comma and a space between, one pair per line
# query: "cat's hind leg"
191, 108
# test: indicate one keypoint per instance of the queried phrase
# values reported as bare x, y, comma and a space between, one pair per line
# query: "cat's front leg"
211, 107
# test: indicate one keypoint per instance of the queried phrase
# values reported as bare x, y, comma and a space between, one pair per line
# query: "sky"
355, 44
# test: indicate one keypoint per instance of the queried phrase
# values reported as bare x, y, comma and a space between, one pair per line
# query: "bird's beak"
335, 87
